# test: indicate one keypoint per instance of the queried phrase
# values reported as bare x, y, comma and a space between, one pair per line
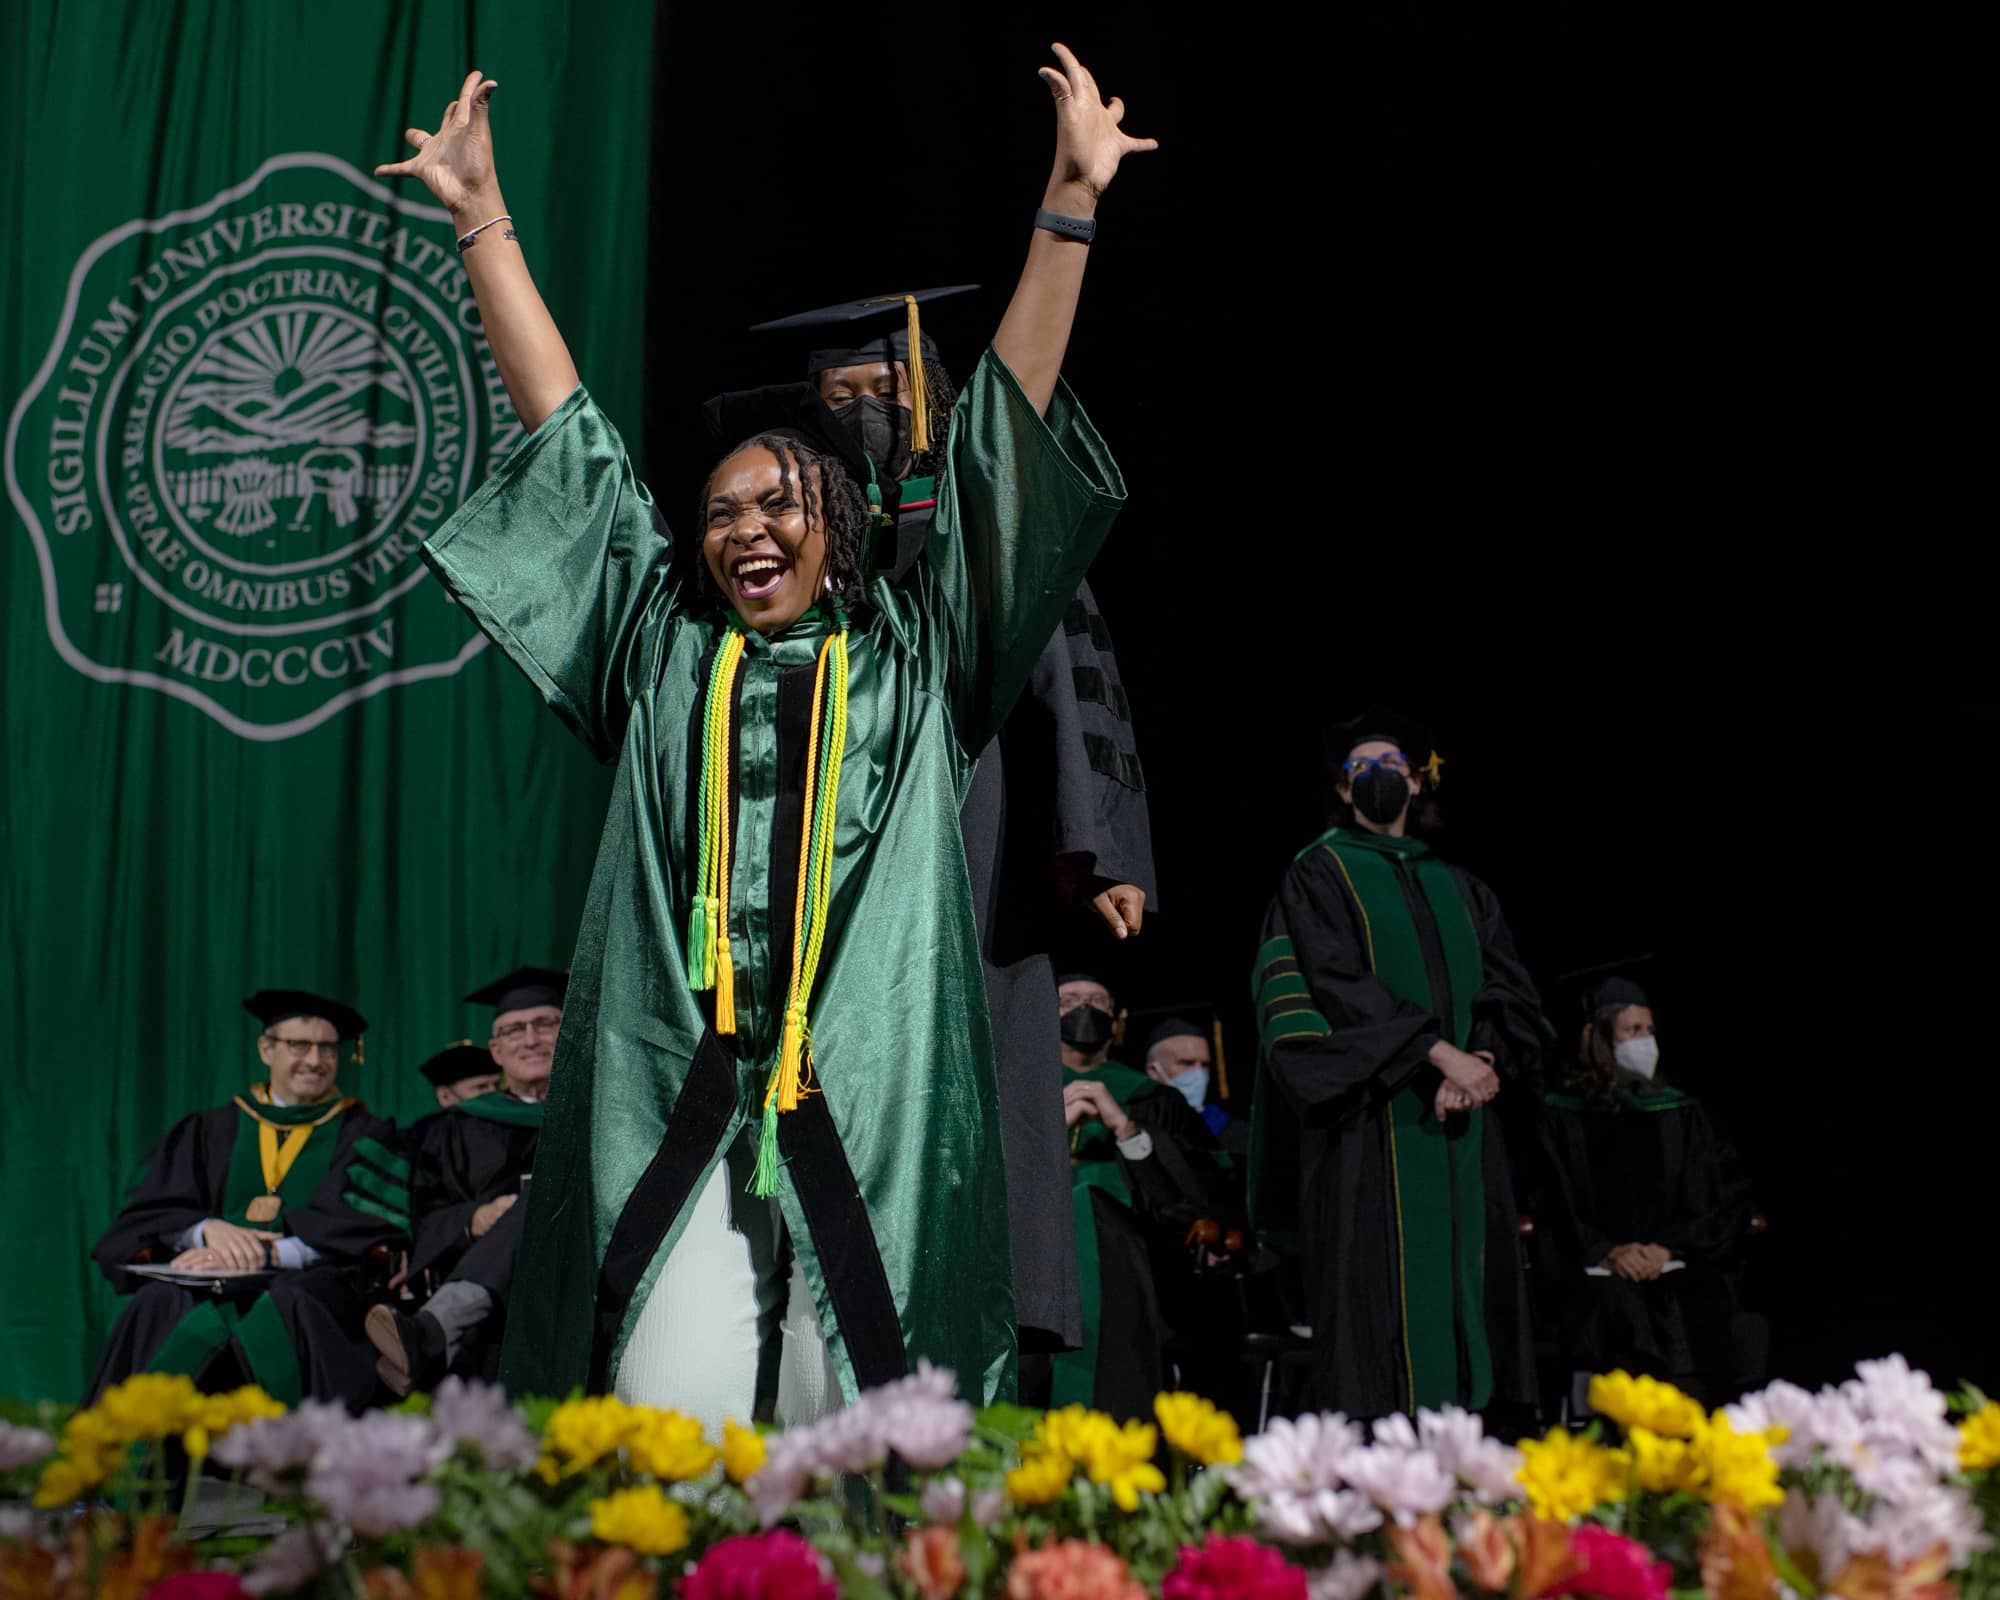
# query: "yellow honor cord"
278, 1160
718, 971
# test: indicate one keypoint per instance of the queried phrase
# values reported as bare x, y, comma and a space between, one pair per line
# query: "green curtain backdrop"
247, 741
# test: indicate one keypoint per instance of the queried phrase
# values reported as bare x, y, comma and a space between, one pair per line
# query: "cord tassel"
697, 944
764, 1177
725, 989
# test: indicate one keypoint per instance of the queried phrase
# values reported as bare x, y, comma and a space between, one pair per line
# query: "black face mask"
1381, 795
882, 429
1086, 1028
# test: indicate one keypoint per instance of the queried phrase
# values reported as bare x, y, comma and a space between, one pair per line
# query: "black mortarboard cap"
845, 325
1609, 983
455, 1061
522, 989
1379, 722
1083, 977
272, 1006
1198, 1018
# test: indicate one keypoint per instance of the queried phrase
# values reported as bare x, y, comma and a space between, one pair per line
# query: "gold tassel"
725, 989
1434, 769
791, 1051
920, 395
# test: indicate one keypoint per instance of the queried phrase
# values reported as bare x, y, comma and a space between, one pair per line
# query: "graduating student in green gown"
1392, 1009
292, 1187
793, 1114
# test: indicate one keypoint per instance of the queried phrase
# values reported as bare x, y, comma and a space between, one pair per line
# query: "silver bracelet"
465, 239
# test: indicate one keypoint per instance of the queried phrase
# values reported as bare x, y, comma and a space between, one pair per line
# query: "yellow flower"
583, 1432
66, 1480
669, 1445
1566, 1475
1645, 1403
1979, 1439
151, 1405
1069, 1429
1736, 1468
214, 1414
1122, 1460
1663, 1465
742, 1451
1042, 1476
644, 1520
1194, 1427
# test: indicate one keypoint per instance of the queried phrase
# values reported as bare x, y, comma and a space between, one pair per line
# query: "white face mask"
1193, 1086
1640, 1056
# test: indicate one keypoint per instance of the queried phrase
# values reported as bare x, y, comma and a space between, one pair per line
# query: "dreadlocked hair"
831, 499
942, 396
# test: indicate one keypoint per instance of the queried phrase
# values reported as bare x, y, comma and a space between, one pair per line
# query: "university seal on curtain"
251, 414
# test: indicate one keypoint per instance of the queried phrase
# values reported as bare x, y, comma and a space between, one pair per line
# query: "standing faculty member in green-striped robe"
1392, 1011
291, 1187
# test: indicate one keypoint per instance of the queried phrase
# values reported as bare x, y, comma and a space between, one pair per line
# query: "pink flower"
1347, 1577
759, 1566
478, 1415
199, 1586
1236, 1568
1615, 1567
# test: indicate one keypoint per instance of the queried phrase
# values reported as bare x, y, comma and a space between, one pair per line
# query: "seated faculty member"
469, 1173
291, 1186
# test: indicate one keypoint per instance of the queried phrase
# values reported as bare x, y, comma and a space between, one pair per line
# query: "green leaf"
854, 1583
1014, 1424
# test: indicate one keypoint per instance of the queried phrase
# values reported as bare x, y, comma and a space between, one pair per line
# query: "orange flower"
24, 1569
930, 1559
586, 1574
1422, 1560
1486, 1550
1071, 1570
1547, 1557
1869, 1577
1735, 1557
151, 1556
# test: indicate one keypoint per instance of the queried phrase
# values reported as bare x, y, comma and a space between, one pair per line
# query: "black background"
1480, 368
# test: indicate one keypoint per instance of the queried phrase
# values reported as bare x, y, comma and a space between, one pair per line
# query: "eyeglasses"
1394, 760
518, 1030
306, 1049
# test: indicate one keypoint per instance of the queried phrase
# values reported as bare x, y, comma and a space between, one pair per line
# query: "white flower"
19, 1446
1902, 1531
1903, 1412
1405, 1483
1350, 1577
1485, 1466
1291, 1473
1821, 1526
943, 1500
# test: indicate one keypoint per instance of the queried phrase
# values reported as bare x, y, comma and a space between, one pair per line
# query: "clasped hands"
1085, 1100
1469, 1078
1639, 1263
226, 1249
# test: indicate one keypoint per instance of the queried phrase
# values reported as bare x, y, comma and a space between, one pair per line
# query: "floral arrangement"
1868, 1490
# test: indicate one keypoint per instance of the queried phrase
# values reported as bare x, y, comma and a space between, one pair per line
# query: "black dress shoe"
412, 1349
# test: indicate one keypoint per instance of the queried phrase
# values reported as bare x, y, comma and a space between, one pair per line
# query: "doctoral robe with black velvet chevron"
1373, 951
345, 1195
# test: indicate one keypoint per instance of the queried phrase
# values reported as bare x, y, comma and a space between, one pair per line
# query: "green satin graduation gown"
892, 1186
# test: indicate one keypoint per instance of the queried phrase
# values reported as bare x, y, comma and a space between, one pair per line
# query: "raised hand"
1089, 142
456, 162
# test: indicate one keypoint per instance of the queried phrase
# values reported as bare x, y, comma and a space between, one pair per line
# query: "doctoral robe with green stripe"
345, 1194
1373, 950
891, 1186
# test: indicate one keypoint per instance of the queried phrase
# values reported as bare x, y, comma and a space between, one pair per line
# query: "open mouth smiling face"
764, 538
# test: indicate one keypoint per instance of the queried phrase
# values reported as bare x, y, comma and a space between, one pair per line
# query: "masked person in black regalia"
1055, 815
470, 1171
292, 1188
1392, 1010
1141, 1173
1650, 1210
454, 1074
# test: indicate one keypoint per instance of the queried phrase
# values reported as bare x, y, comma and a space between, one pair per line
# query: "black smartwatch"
1081, 229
